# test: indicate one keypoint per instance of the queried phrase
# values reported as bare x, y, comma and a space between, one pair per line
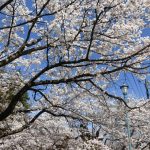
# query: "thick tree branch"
5, 4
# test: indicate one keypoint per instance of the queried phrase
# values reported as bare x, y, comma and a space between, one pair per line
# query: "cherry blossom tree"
64, 54
107, 131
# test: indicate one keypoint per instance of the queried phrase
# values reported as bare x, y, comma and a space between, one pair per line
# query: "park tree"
62, 55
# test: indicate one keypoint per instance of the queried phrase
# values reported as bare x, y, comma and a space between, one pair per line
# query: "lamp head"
124, 89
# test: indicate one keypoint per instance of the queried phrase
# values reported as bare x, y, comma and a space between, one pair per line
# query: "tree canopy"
62, 55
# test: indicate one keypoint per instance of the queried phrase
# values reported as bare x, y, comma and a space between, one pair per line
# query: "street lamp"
124, 88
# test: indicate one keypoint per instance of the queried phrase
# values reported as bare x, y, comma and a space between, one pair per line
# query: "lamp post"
124, 89
147, 87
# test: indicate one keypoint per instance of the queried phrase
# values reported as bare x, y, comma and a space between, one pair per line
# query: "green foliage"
24, 101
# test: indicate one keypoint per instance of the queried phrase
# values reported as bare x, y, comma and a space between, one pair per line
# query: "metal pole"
146, 87
128, 126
